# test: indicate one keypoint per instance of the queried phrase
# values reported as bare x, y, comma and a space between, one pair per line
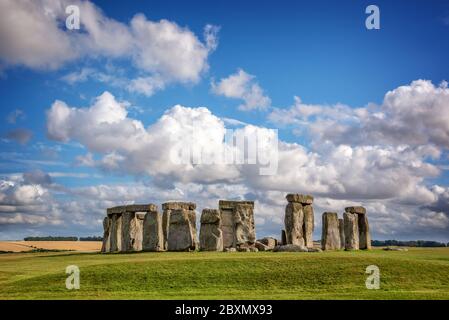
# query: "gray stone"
308, 225
330, 239
394, 249
294, 219
300, 198
211, 235
182, 231
230, 249
167, 208
131, 232
237, 223
364, 233
283, 237
153, 237
106, 246
314, 250
358, 210
268, 242
262, 247
116, 210
116, 233
141, 207
290, 248
341, 228
351, 231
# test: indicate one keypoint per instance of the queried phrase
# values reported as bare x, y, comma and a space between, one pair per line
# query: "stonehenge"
211, 235
330, 239
229, 228
299, 220
237, 222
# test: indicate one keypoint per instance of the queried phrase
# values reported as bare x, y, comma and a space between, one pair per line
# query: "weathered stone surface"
341, 228
116, 232
364, 233
131, 232
262, 247
394, 249
269, 242
300, 198
211, 235
358, 210
330, 239
290, 248
237, 223
116, 210
308, 225
167, 208
153, 237
245, 234
182, 232
351, 231
141, 207
141, 215
314, 250
294, 219
178, 205
229, 204
283, 237
106, 246
230, 249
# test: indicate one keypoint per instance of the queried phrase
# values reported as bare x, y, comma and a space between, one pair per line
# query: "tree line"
50, 238
413, 243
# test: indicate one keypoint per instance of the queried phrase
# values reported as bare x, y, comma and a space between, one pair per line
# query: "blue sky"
342, 139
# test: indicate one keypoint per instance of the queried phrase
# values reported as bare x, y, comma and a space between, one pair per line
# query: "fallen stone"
330, 239
230, 249
394, 249
314, 250
262, 247
300, 198
291, 248
269, 242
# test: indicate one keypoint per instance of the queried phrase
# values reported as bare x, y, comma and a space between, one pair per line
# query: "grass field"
415, 274
23, 246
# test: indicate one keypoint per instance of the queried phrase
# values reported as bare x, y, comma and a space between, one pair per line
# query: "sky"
90, 115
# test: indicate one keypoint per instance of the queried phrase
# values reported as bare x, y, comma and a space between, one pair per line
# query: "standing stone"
167, 208
131, 232
116, 232
237, 224
211, 235
181, 232
351, 231
294, 218
308, 225
363, 226
153, 237
330, 239
364, 233
106, 247
299, 220
341, 228
283, 238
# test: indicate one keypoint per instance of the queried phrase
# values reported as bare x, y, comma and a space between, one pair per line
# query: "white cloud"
243, 86
32, 36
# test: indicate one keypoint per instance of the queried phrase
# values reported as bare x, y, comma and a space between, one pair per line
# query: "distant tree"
417, 243
93, 238
50, 238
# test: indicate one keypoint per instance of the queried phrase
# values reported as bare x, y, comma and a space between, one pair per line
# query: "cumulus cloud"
32, 34
412, 115
243, 86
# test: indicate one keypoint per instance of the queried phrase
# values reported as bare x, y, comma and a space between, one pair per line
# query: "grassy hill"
416, 274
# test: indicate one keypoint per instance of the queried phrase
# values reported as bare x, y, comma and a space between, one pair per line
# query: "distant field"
22, 246
416, 274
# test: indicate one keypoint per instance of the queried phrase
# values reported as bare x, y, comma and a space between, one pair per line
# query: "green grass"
415, 274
